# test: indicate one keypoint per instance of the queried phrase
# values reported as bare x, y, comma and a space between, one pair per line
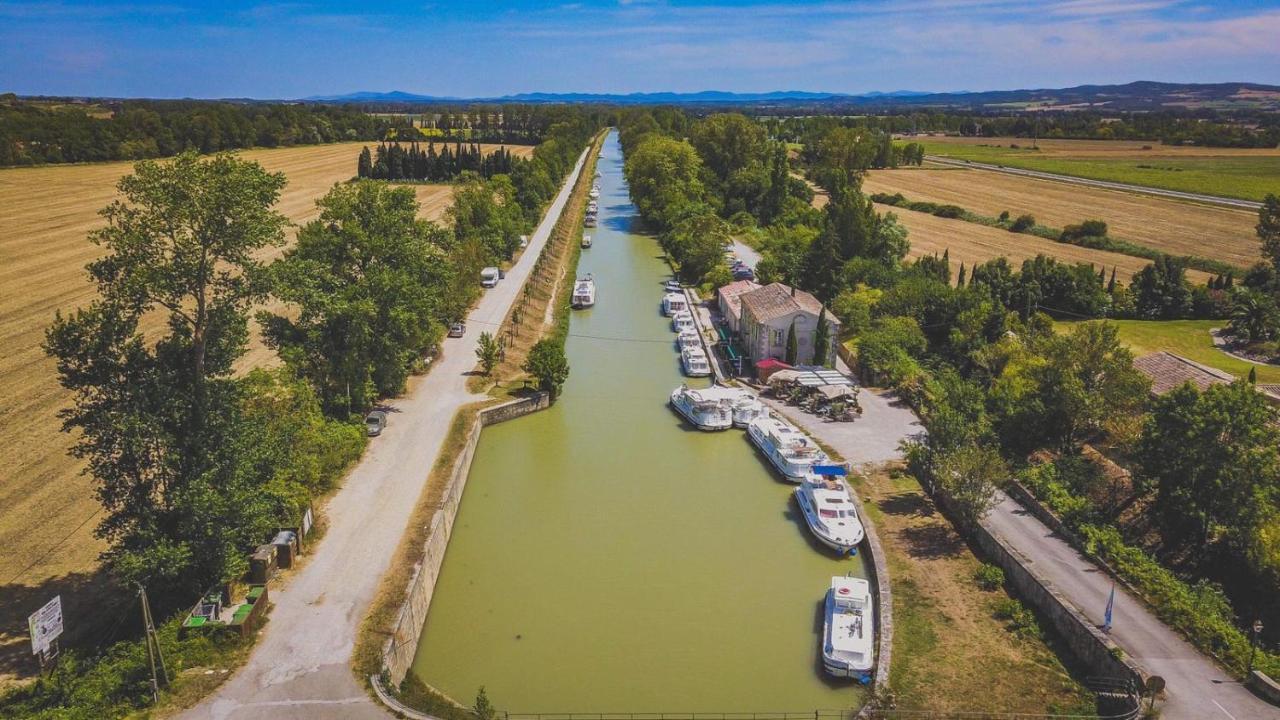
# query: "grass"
947, 641
1171, 226
1188, 338
47, 507
1237, 173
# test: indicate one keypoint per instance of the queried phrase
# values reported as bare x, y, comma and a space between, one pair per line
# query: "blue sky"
175, 48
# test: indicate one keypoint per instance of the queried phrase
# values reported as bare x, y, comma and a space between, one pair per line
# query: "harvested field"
47, 509
1245, 173
970, 243
1173, 226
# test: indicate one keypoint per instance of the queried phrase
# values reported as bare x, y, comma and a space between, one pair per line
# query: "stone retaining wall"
400, 648
1087, 643
1264, 687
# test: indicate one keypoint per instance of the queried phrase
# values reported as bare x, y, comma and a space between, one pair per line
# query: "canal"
608, 558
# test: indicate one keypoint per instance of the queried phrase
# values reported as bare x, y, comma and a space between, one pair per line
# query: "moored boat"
790, 451
672, 286
695, 364
688, 338
586, 241
674, 302
747, 407
706, 409
584, 292
682, 322
828, 508
848, 631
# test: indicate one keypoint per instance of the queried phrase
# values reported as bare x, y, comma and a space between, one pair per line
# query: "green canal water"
608, 558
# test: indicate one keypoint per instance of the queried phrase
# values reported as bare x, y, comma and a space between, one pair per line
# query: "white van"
489, 277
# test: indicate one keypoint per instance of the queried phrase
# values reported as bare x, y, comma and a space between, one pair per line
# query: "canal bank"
608, 558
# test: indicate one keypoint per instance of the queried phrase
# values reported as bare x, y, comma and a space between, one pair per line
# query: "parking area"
872, 439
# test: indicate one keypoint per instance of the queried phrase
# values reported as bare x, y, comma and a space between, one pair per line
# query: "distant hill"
1134, 96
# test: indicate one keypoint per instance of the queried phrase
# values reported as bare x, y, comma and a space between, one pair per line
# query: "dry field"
971, 243
47, 509
1176, 227
1105, 149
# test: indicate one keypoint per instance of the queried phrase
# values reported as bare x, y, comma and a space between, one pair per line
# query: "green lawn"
1188, 338
1250, 178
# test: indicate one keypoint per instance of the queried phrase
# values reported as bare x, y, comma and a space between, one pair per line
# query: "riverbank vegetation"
980, 359
194, 466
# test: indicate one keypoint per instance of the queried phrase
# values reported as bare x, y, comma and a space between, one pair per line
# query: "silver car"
375, 422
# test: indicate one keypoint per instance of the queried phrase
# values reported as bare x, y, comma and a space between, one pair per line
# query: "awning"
836, 470
784, 376
833, 392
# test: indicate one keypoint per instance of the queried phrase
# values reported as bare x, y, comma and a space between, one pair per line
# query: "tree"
369, 281
792, 348
821, 338
364, 167
484, 709
821, 268
662, 173
960, 277
158, 420
1268, 228
1254, 315
1212, 462
488, 351
547, 363
969, 476
1161, 289
729, 142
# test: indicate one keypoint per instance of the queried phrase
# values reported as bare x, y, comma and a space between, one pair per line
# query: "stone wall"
400, 648
1264, 687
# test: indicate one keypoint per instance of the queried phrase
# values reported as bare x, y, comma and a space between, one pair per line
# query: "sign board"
45, 625
306, 522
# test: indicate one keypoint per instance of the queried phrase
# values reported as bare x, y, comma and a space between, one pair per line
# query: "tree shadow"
931, 542
907, 504
95, 612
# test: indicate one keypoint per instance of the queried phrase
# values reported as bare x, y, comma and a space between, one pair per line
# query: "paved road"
300, 667
873, 439
1197, 688
1175, 194
746, 254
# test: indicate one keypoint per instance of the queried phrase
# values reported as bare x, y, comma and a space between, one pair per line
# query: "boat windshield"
827, 513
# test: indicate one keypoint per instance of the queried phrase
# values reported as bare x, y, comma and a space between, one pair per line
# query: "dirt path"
300, 668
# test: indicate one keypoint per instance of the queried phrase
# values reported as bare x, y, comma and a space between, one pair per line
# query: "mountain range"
1141, 95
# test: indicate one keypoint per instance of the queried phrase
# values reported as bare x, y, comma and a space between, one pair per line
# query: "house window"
777, 336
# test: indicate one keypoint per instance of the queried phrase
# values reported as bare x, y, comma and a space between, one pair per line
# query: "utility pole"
153, 646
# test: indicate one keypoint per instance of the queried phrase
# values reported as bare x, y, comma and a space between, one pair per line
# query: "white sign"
306, 522
45, 625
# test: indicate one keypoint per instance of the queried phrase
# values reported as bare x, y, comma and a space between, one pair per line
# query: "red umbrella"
769, 366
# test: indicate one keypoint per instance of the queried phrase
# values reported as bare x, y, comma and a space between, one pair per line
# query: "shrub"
1004, 216
988, 577
1023, 223
1018, 619
950, 211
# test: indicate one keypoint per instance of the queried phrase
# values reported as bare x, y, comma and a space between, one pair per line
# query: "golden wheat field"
970, 243
47, 509
1101, 149
1173, 226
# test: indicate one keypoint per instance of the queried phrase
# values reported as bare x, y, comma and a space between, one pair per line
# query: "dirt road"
300, 668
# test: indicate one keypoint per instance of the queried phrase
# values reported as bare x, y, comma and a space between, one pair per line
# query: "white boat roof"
716, 392
694, 352
674, 296
855, 588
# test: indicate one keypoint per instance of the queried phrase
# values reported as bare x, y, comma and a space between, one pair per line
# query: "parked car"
375, 422
744, 273
489, 277
457, 329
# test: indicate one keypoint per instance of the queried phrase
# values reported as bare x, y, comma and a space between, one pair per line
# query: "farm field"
971, 244
1173, 226
47, 509
1188, 338
1230, 172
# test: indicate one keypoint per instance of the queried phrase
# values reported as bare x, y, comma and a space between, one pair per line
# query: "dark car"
375, 422
457, 329
744, 273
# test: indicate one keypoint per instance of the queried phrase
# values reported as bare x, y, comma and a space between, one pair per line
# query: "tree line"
194, 465
997, 385
392, 161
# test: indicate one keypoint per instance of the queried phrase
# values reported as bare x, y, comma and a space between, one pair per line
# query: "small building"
1168, 372
730, 302
767, 315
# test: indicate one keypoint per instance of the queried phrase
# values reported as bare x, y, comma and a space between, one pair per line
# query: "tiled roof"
1168, 371
776, 300
732, 293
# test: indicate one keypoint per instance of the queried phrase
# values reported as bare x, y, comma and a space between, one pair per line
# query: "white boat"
682, 321
790, 451
590, 221
584, 292
595, 192
829, 510
695, 364
586, 241
707, 409
747, 408
593, 207
688, 338
674, 302
848, 631
672, 286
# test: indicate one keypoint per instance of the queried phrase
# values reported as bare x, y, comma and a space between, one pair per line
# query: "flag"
1111, 605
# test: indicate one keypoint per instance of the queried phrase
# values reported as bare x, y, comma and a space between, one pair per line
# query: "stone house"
767, 315
729, 298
